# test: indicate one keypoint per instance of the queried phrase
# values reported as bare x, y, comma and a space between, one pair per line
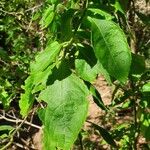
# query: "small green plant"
84, 42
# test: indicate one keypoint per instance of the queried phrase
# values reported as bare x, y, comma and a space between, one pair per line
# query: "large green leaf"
111, 48
65, 113
40, 71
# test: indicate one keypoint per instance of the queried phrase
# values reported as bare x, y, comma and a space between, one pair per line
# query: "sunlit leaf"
27, 98
112, 52
103, 13
47, 17
146, 87
45, 58
65, 112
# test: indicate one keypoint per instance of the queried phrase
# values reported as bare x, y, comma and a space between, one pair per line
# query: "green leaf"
145, 125
40, 79
27, 99
85, 71
105, 134
119, 6
87, 66
66, 26
102, 13
146, 87
45, 58
47, 17
111, 48
104, 72
66, 112
85, 63
6, 127
40, 70
138, 64
53, 1
97, 97
145, 18
3, 54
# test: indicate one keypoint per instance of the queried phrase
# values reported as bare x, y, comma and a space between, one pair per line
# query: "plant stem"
136, 132
80, 140
135, 124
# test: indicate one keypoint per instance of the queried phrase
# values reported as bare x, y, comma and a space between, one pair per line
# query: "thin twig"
12, 135
18, 121
11, 13
34, 8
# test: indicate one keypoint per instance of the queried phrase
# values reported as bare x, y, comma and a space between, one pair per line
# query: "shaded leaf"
97, 97
85, 64
138, 64
105, 134
66, 26
3, 54
145, 18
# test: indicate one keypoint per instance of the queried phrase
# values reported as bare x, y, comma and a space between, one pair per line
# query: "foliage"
52, 52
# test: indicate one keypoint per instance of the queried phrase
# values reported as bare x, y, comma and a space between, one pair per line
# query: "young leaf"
119, 6
111, 48
47, 17
66, 112
27, 99
102, 13
6, 127
146, 87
